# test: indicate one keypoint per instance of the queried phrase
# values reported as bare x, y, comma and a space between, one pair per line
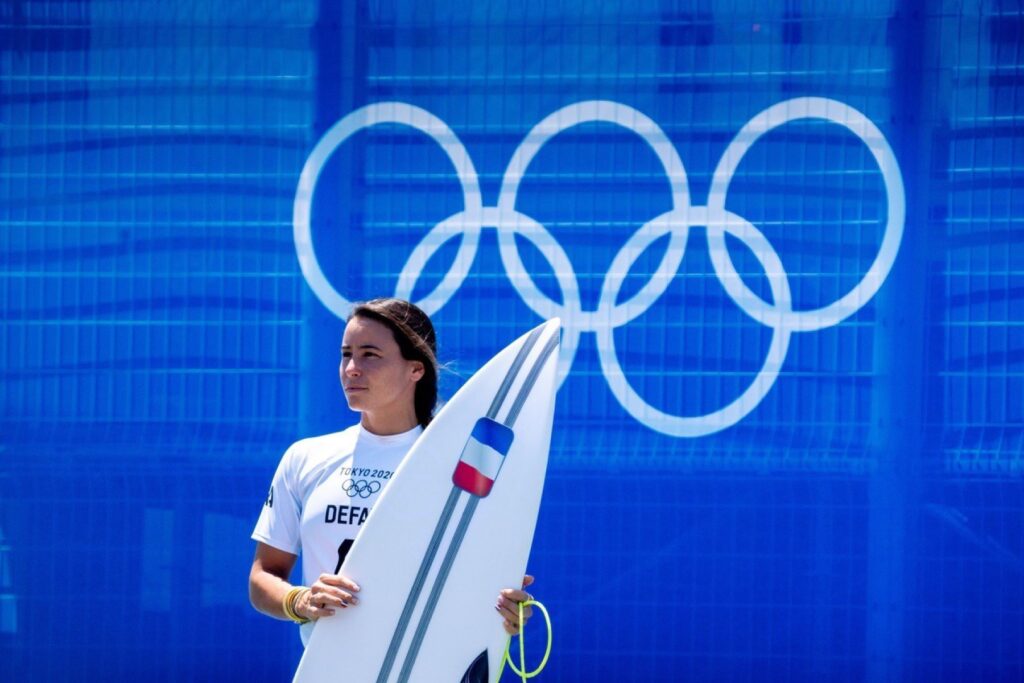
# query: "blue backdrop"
785, 238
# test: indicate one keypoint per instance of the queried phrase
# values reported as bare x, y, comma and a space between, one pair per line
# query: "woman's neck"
388, 425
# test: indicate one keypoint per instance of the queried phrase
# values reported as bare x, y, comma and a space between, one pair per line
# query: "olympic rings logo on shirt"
361, 488
779, 316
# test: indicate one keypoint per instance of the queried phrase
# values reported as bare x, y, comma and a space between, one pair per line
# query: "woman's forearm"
267, 591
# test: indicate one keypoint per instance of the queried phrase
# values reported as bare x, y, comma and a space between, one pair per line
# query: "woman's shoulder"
307, 459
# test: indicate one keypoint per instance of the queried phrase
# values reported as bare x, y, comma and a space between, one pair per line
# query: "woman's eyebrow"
362, 346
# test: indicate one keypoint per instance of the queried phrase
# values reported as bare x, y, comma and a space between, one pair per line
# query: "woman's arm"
268, 579
268, 584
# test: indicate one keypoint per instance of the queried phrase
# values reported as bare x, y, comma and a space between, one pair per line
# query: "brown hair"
416, 340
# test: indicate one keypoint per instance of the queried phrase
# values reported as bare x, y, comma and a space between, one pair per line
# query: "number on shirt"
342, 552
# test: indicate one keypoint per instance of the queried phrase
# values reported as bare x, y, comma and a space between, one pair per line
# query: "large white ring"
595, 111
859, 125
370, 115
702, 425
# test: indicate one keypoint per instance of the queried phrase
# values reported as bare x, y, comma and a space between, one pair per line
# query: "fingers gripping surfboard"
453, 528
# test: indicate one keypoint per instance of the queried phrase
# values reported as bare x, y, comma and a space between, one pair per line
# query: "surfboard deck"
453, 528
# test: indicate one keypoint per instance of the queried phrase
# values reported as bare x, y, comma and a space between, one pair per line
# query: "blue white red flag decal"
482, 457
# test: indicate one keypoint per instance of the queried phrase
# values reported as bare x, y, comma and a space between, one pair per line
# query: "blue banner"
784, 241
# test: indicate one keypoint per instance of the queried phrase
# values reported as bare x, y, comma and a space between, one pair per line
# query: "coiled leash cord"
521, 671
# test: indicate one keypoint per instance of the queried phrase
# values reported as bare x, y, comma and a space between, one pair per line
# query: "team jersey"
323, 492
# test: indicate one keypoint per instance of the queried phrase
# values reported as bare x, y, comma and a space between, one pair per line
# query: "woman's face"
376, 379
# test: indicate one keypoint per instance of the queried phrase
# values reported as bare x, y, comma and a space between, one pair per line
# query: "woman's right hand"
330, 592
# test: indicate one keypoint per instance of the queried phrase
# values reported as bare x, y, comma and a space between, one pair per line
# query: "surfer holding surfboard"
325, 487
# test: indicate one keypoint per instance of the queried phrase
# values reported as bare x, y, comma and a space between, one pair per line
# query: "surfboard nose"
553, 327
549, 328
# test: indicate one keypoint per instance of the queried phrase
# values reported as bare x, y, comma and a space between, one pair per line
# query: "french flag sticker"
482, 457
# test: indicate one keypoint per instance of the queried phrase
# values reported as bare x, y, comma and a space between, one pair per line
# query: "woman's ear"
417, 370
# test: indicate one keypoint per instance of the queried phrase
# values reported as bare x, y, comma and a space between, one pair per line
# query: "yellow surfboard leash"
521, 671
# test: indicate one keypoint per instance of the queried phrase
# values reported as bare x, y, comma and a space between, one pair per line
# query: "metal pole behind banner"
895, 483
340, 88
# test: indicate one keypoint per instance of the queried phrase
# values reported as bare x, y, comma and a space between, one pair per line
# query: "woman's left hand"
508, 606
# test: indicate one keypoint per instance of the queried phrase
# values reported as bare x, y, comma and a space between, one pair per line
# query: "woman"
326, 486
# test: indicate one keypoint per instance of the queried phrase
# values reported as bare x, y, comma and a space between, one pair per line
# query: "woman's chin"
355, 402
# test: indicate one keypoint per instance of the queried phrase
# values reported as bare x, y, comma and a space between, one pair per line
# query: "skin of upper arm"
270, 559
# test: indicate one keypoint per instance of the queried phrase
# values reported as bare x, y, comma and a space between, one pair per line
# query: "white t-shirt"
322, 493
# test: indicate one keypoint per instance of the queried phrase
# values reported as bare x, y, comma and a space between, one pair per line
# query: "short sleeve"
278, 525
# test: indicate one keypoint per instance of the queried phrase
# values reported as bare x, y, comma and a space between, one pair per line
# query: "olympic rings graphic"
779, 316
361, 488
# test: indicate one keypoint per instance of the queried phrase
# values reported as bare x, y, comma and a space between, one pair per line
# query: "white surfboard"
453, 527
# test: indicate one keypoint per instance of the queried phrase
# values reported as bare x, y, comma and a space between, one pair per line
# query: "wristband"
288, 604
